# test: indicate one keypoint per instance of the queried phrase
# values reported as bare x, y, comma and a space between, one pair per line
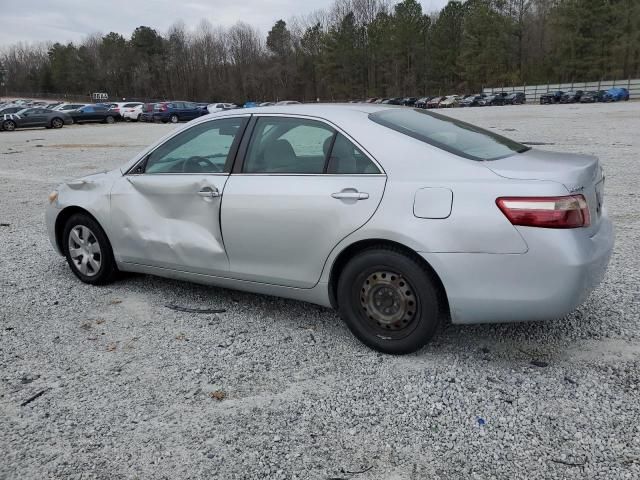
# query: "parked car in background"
551, 97
147, 112
571, 97
472, 100
393, 101
218, 107
593, 96
449, 101
118, 108
433, 103
63, 107
34, 117
422, 102
515, 98
409, 101
177, 111
132, 114
496, 98
53, 105
288, 102
92, 113
10, 109
336, 217
616, 94
266, 104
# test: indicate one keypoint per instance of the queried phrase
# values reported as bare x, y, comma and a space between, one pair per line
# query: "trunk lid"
580, 174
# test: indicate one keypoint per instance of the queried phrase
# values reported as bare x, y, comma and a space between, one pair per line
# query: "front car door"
303, 186
165, 212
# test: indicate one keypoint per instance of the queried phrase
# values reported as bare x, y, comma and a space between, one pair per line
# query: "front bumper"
51, 214
558, 272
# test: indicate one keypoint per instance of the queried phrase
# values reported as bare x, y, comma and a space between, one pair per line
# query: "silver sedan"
397, 217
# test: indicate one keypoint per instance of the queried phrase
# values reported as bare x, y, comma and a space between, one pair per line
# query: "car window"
190, 105
288, 145
346, 158
459, 138
203, 148
87, 109
129, 105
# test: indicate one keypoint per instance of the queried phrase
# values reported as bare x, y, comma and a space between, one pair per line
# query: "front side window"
454, 136
288, 145
204, 148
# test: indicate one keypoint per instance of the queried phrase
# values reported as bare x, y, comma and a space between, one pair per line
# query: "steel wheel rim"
57, 123
9, 126
84, 250
174, 119
388, 301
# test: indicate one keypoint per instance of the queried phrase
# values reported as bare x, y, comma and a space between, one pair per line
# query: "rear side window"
454, 136
346, 158
288, 145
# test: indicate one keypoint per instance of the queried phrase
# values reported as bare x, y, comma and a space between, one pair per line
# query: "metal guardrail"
533, 92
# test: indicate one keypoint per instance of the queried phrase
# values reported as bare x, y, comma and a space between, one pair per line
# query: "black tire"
57, 123
174, 118
413, 289
107, 271
110, 120
8, 125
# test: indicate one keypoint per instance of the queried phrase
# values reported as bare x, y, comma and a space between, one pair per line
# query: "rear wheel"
173, 118
9, 125
110, 120
57, 123
388, 300
88, 250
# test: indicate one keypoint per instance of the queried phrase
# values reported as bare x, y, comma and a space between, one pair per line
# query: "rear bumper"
558, 272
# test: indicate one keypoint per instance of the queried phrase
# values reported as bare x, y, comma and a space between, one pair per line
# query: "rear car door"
165, 212
301, 188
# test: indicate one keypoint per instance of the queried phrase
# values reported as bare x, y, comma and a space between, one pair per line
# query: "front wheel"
9, 125
57, 123
88, 250
388, 300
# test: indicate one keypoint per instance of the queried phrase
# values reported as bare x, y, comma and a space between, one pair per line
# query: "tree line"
353, 49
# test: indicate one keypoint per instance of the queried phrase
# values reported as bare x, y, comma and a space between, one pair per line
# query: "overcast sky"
72, 20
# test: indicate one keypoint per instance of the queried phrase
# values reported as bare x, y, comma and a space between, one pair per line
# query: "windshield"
454, 136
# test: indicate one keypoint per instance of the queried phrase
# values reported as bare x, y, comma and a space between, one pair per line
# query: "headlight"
53, 196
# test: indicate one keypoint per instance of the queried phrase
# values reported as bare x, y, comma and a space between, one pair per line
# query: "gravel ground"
275, 388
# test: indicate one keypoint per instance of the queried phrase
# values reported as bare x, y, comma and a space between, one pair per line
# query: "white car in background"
449, 101
132, 113
219, 107
68, 106
119, 107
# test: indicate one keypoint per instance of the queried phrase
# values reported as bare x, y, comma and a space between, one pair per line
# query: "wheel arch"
343, 258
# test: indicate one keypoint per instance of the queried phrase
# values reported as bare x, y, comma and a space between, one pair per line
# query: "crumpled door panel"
161, 220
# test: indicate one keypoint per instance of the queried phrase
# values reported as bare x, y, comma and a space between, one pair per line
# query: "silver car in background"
396, 217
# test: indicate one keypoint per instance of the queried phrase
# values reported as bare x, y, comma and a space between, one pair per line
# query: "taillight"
547, 212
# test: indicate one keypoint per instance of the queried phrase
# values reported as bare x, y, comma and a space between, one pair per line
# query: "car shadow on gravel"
522, 340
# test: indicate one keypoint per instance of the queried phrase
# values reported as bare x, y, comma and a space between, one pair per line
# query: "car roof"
322, 110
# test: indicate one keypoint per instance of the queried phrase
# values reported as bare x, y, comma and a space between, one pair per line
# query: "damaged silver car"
396, 217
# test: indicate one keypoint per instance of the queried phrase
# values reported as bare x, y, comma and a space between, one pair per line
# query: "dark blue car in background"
177, 111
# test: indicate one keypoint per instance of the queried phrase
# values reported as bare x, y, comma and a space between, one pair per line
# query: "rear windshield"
454, 136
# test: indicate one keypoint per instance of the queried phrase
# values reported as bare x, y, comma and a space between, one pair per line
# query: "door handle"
350, 195
209, 192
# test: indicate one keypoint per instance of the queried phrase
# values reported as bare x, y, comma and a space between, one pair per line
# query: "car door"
190, 111
31, 118
302, 187
165, 212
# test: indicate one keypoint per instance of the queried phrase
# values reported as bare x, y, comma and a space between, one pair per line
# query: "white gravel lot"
128, 383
